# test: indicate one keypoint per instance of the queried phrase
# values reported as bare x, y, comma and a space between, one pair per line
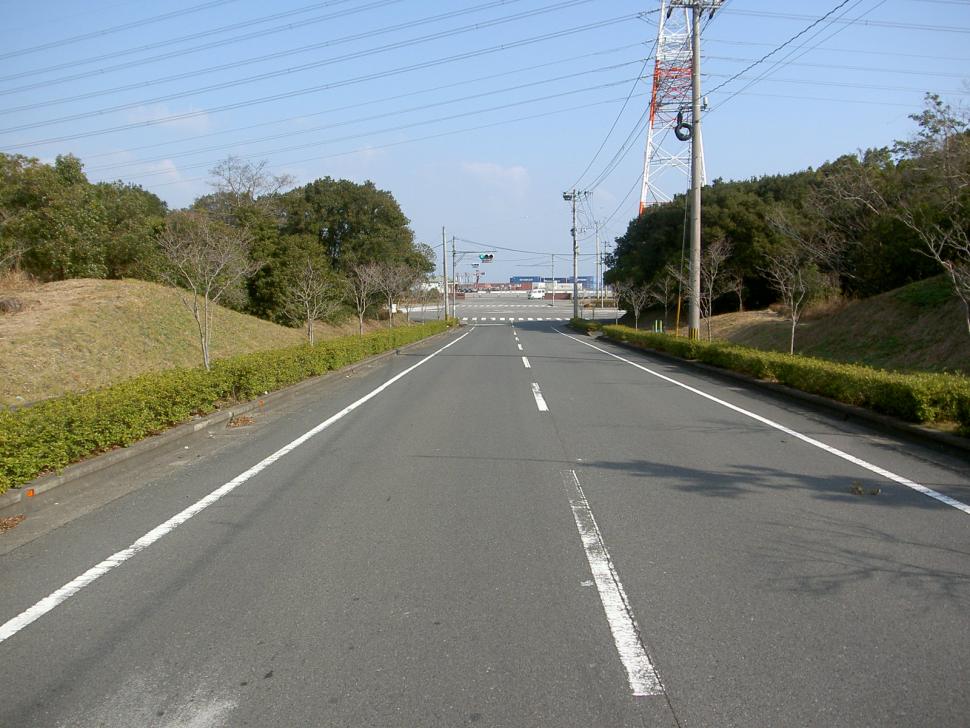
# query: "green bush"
585, 325
55, 433
912, 397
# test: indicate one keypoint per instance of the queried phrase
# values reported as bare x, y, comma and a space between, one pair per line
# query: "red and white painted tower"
668, 130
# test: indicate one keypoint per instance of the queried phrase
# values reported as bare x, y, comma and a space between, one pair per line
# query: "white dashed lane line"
525, 361
540, 402
640, 671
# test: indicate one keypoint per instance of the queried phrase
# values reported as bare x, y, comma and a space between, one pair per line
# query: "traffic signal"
485, 257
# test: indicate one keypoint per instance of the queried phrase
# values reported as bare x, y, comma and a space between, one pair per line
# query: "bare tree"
240, 183
637, 295
712, 263
734, 283
205, 260
793, 268
309, 295
392, 280
620, 289
663, 290
361, 286
929, 192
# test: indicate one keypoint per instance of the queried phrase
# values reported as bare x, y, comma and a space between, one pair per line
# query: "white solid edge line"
11, 627
889, 475
525, 361
640, 671
540, 401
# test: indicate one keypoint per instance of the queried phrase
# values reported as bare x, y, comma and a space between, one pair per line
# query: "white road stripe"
520, 346
525, 361
11, 627
640, 672
540, 402
953, 502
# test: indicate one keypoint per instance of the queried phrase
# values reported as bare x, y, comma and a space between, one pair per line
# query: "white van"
537, 293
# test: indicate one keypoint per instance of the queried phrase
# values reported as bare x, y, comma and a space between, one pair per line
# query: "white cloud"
514, 178
196, 124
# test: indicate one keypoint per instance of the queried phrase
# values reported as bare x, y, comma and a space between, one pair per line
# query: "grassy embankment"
83, 334
107, 365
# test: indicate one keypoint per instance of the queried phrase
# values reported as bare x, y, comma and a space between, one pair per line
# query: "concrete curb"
941, 440
187, 429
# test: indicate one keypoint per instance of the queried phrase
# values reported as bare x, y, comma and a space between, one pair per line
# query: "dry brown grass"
890, 331
80, 334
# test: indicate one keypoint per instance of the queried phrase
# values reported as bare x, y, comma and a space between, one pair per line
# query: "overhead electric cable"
302, 49
181, 52
285, 71
429, 137
383, 115
323, 87
114, 29
609, 133
772, 52
422, 122
383, 100
871, 23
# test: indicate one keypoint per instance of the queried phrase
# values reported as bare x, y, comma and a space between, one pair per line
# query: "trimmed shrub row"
57, 432
585, 325
911, 397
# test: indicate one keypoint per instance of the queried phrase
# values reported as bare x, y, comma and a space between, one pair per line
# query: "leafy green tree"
353, 223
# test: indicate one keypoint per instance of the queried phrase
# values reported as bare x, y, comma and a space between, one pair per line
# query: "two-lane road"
512, 525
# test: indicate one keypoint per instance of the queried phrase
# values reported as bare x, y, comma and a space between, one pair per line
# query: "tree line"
257, 243
858, 226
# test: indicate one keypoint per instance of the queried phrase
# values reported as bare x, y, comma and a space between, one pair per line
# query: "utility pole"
552, 274
571, 197
693, 132
694, 316
444, 268
454, 274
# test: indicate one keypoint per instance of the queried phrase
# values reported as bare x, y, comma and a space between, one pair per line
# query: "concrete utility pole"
698, 7
694, 324
444, 268
571, 197
454, 274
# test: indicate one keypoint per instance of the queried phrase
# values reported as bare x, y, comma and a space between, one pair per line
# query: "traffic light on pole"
485, 257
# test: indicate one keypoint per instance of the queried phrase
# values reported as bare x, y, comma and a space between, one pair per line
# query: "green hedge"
911, 397
55, 433
585, 325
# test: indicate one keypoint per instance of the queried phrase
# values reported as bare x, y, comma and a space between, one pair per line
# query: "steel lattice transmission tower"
670, 107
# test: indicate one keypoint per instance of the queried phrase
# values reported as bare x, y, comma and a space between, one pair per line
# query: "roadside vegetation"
860, 226
54, 433
923, 398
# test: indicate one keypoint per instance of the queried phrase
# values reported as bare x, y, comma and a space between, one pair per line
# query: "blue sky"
475, 114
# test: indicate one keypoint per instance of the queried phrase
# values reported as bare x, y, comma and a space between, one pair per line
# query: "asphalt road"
582, 541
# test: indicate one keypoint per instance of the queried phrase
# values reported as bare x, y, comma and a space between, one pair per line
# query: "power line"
772, 52
302, 49
616, 120
114, 29
321, 87
893, 53
395, 112
421, 123
184, 51
269, 74
871, 23
382, 101
429, 137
